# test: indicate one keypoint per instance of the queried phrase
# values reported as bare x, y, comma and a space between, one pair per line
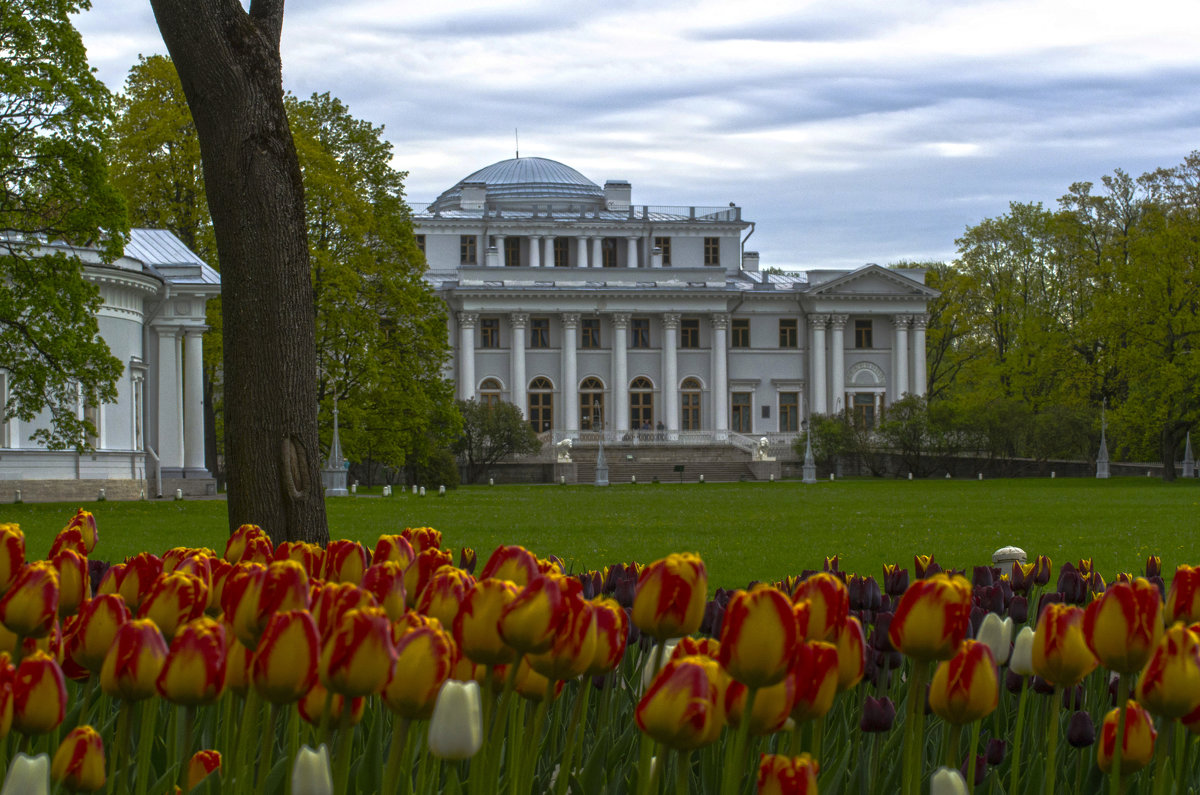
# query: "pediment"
872, 280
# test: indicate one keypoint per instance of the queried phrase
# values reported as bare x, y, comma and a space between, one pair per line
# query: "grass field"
743, 531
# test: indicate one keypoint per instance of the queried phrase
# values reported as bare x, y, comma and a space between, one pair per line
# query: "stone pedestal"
766, 470
566, 472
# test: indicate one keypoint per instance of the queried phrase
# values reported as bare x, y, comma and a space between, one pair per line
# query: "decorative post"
810, 464
1189, 461
334, 474
1102, 458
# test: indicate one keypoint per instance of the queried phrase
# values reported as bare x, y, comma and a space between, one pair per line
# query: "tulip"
385, 581
70, 538
477, 625
345, 561
772, 705
253, 593
1059, 652
1022, 576
194, 671
574, 643
173, 558
99, 620
1123, 626
467, 560
422, 538
925, 566
30, 606
1043, 568
530, 684
852, 654
331, 601
201, 766
79, 761
39, 694
284, 666
932, 617
220, 570
132, 665
12, 554
174, 600
137, 578
1072, 585
787, 775
879, 714
1081, 731
670, 597
612, 633
1138, 747
249, 543
312, 707
357, 658
28, 775
425, 657
85, 522
946, 781
310, 556
443, 594
310, 772
829, 604
705, 647
1021, 660
529, 622
895, 579
815, 670
758, 637
513, 563
417, 573
683, 707
1183, 600
966, 687
1169, 685
238, 660
456, 728
74, 586
996, 633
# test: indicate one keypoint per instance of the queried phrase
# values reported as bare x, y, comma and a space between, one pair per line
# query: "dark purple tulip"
885, 604
977, 614
714, 616
831, 564
1162, 586
895, 580
1042, 687
864, 593
1073, 697
1048, 598
1071, 585
1006, 590
96, 570
1153, 566
980, 768
1096, 583
1021, 582
1125, 577
989, 598
879, 634
1081, 732
878, 714
982, 577
1042, 570
467, 560
995, 751
1012, 681
1018, 609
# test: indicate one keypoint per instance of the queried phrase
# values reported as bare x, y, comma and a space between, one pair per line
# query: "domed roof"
526, 179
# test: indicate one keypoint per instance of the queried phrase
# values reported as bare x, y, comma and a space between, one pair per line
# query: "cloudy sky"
850, 131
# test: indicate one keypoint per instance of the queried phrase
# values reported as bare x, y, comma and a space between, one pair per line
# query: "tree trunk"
229, 64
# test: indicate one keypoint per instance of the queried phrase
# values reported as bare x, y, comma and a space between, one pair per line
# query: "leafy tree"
56, 196
490, 433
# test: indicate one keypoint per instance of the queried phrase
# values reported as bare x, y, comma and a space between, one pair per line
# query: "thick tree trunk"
229, 64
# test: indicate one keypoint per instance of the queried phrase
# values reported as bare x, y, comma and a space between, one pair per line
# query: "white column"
548, 260
670, 371
570, 379
918, 385
720, 371
518, 387
170, 415
597, 257
501, 256
816, 363
620, 369
837, 363
581, 252
631, 252
466, 354
900, 355
193, 400
535, 252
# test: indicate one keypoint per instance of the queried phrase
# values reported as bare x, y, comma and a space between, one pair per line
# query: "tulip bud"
39, 694
1123, 626
1081, 732
385, 581
925, 566
417, 573
529, 622
456, 729
1169, 685
947, 782
758, 636
612, 633
670, 597
285, 664
878, 715
132, 665
815, 669
1060, 653
1138, 748
684, 706
343, 711
1021, 661
574, 643
997, 635
356, 659
425, 657
852, 654
443, 594
784, 775
772, 705
932, 617
99, 620
310, 773
829, 604
249, 543
85, 522
12, 554
194, 672
477, 624
28, 775
422, 538
966, 687
201, 766
174, 600
1183, 600
79, 761
345, 561
394, 548
73, 585
30, 606
310, 556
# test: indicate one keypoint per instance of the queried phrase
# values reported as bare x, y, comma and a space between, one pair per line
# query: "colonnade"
180, 397
588, 250
827, 378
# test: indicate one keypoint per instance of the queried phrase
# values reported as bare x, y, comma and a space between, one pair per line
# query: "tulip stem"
683, 770
146, 743
268, 750
971, 753
953, 734
1160, 757
1182, 744
1015, 771
577, 717
122, 745
914, 735
1052, 740
395, 753
735, 756
645, 752
189, 720
341, 760
1114, 774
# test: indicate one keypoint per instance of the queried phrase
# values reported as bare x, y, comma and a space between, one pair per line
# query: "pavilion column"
535, 251
816, 363
597, 256
548, 260
620, 369
720, 371
193, 401
670, 371
899, 355
570, 386
582, 252
837, 363
501, 257
170, 410
466, 354
918, 385
517, 390
631, 252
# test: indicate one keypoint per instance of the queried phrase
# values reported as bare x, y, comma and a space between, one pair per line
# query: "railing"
662, 437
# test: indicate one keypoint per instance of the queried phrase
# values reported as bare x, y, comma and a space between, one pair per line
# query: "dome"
525, 180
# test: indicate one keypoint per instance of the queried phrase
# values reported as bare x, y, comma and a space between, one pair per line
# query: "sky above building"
849, 131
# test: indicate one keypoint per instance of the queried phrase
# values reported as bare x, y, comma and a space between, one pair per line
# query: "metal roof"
165, 254
527, 178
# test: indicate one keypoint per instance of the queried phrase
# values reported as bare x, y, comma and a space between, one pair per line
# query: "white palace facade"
592, 313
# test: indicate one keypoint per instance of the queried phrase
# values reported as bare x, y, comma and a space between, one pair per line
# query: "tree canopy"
491, 432
56, 201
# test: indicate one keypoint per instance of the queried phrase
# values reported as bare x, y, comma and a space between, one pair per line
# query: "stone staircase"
718, 465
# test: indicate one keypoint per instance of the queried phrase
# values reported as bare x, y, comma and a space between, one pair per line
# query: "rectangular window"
712, 251
639, 332
512, 251
689, 333
787, 332
740, 333
466, 249
789, 412
421, 243
590, 328
489, 332
862, 334
539, 332
864, 409
608, 252
663, 244
562, 252
741, 420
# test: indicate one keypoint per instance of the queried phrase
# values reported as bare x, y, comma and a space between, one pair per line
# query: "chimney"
750, 261
474, 195
617, 193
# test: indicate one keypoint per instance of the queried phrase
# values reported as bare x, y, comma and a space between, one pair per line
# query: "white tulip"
456, 729
1022, 653
996, 634
947, 782
310, 773
28, 775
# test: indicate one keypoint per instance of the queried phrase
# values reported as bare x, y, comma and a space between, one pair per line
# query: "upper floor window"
862, 334
712, 251
739, 329
512, 251
639, 332
590, 328
689, 333
466, 249
539, 332
562, 252
663, 244
788, 334
421, 243
489, 332
608, 252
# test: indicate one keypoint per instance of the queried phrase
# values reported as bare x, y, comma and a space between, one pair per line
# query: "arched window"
689, 404
591, 404
641, 404
541, 404
489, 392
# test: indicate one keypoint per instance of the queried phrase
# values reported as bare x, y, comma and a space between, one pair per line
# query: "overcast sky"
849, 131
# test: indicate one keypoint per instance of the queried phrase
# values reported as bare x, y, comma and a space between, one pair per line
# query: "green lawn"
743, 531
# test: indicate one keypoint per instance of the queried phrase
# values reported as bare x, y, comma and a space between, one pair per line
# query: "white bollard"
354, 488
701, 477
981, 476
179, 494
831, 477
771, 479
910, 476
422, 492
441, 491
947, 476
633, 479
414, 488
141, 494
1052, 478
100, 497
387, 491
17, 497
562, 480
491, 481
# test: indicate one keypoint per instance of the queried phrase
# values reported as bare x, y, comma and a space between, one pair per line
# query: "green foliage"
490, 433
54, 115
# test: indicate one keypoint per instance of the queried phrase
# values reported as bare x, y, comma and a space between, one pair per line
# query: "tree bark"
229, 64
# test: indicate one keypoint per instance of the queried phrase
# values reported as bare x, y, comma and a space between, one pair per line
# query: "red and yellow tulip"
1138, 748
966, 687
1169, 685
193, 673
815, 671
78, 763
39, 694
425, 656
477, 624
99, 620
670, 597
357, 658
758, 636
1060, 653
787, 775
684, 706
285, 665
932, 618
1123, 626
132, 665
829, 604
